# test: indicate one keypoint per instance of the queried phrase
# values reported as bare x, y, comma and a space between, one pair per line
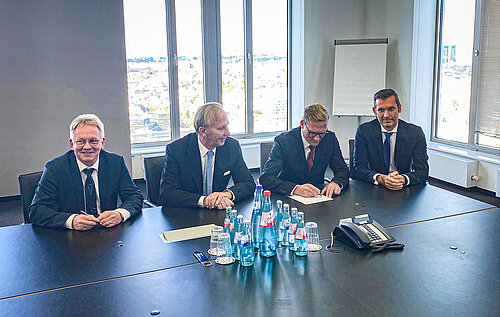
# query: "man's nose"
227, 132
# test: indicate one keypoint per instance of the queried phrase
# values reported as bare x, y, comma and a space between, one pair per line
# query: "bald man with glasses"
299, 158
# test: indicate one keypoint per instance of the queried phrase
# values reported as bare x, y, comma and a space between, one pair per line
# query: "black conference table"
427, 278
41, 259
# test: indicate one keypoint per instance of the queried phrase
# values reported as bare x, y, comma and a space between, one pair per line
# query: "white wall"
58, 59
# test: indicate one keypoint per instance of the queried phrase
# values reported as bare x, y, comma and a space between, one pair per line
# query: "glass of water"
312, 234
214, 238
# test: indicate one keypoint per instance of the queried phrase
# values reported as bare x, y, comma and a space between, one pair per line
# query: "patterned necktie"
310, 157
209, 173
387, 149
90, 193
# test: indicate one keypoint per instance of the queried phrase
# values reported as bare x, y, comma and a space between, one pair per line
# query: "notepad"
310, 200
188, 233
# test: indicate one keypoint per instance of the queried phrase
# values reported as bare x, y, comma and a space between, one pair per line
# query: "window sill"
465, 153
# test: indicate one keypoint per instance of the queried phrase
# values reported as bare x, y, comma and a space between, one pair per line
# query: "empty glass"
224, 249
214, 238
312, 234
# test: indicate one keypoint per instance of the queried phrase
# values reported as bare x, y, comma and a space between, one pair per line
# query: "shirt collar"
203, 149
395, 130
82, 166
304, 141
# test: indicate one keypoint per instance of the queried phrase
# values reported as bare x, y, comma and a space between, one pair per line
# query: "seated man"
80, 188
389, 151
299, 158
198, 166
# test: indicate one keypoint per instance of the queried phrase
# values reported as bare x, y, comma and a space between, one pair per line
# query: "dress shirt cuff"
340, 184
200, 202
407, 180
231, 192
293, 189
375, 178
69, 222
124, 212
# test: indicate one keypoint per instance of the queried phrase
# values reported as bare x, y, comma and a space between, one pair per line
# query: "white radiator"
453, 169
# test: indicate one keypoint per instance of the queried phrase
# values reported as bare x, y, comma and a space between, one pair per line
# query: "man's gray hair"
86, 119
206, 114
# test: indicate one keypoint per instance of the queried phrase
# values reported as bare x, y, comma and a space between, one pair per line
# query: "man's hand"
219, 200
331, 189
393, 181
84, 222
306, 190
110, 218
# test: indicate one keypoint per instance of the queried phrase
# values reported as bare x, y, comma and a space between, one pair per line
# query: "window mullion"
248, 66
211, 50
172, 70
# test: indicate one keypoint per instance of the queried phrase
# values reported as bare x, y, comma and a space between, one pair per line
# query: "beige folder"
188, 233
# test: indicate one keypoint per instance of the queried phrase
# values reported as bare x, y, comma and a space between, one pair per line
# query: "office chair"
265, 150
27, 186
351, 155
153, 167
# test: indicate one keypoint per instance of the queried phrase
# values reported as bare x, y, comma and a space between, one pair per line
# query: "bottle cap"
246, 221
294, 208
267, 193
286, 205
239, 217
300, 213
234, 211
279, 201
258, 187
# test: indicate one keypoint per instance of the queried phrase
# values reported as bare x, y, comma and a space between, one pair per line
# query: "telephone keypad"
372, 235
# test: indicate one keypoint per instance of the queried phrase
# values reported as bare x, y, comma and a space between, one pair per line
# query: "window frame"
212, 69
474, 107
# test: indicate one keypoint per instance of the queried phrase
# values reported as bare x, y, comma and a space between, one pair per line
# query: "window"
467, 99
183, 53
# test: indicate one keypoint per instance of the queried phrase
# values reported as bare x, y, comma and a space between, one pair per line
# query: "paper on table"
310, 200
188, 233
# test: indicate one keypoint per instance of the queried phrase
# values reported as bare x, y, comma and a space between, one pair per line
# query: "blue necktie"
209, 173
387, 149
90, 193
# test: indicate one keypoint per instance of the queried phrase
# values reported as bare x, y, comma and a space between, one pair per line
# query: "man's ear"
399, 108
302, 124
374, 111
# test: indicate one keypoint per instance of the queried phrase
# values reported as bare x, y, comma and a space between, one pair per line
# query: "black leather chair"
27, 186
265, 149
153, 166
351, 155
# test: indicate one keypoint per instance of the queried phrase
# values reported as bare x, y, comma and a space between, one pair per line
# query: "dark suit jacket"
287, 165
60, 191
182, 182
410, 154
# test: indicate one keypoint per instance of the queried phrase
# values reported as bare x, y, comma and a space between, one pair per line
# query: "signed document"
310, 200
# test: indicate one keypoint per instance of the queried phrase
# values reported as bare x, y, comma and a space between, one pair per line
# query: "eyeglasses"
313, 134
82, 142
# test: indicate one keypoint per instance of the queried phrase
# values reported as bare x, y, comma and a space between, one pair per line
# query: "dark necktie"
310, 157
209, 174
387, 149
90, 193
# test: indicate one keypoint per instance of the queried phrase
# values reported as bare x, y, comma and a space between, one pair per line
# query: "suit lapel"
401, 139
76, 180
299, 148
220, 158
194, 161
377, 139
103, 177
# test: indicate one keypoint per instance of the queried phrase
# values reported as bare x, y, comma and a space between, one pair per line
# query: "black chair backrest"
27, 186
351, 155
265, 149
153, 167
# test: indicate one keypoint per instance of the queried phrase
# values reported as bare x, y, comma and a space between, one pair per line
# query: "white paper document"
310, 200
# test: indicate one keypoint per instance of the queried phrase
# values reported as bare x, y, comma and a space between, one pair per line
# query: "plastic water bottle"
285, 224
291, 231
227, 220
301, 240
269, 240
279, 219
246, 248
232, 224
256, 215
237, 237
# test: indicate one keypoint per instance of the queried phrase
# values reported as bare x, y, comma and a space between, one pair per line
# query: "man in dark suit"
80, 189
198, 166
298, 159
389, 151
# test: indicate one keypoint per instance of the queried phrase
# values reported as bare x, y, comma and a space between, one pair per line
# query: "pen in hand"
86, 214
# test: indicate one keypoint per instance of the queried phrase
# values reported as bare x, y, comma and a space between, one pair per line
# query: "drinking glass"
224, 249
214, 238
312, 234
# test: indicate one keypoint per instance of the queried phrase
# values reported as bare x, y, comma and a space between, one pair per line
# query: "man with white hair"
80, 188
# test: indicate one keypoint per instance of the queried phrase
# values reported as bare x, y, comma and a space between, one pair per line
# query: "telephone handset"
365, 233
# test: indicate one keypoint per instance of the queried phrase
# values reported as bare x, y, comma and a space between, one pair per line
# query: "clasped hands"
108, 219
393, 181
309, 190
218, 200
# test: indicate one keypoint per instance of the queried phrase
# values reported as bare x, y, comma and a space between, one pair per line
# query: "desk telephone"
365, 233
